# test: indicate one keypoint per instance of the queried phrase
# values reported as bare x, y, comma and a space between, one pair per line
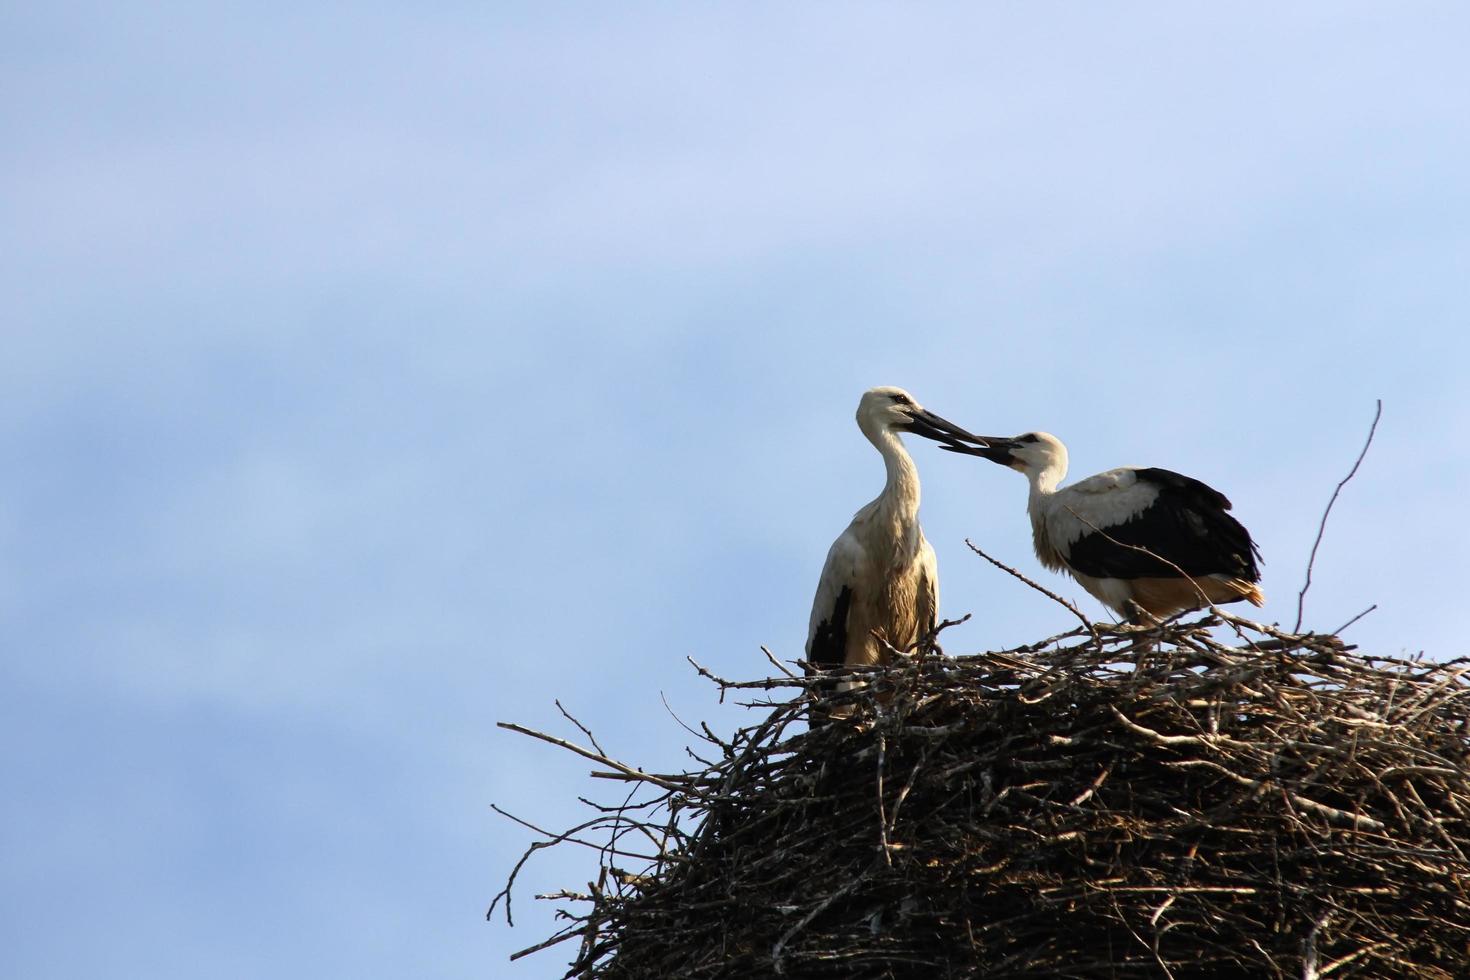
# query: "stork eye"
902, 399
1029, 437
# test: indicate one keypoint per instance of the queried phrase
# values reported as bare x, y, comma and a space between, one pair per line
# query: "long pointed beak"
923, 422
997, 449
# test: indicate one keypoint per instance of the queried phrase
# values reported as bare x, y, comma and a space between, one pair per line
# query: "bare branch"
1301, 597
1338, 631
776, 663
1069, 606
589, 754
584, 729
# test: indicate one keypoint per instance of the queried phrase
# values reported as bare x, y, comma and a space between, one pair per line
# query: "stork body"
1135, 538
879, 587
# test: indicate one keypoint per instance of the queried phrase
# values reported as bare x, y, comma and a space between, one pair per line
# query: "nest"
1215, 798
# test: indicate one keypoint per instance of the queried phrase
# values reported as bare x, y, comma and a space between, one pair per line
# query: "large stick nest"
1207, 799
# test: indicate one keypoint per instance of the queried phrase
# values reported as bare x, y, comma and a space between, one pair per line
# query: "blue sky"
376, 373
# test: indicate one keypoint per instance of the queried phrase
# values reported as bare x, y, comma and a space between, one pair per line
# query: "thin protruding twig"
1070, 606
551, 841
589, 754
1338, 631
674, 715
930, 640
778, 664
584, 729
1301, 596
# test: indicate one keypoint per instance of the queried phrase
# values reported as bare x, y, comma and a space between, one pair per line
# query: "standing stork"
880, 584
1136, 538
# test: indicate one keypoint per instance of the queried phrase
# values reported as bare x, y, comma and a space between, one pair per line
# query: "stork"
879, 588
1135, 538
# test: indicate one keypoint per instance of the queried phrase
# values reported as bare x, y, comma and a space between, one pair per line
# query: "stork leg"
1141, 619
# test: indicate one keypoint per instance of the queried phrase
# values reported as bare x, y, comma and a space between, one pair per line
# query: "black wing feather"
829, 641
1187, 524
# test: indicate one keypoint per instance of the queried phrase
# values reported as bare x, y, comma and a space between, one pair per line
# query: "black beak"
997, 449
923, 422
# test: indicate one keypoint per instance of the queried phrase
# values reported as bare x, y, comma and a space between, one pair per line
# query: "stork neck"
1044, 480
900, 496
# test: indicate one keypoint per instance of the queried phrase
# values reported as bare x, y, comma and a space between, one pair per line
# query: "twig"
821, 907
1309, 959
672, 714
1070, 606
882, 814
1338, 631
555, 940
778, 664
585, 730
1301, 596
552, 840
589, 754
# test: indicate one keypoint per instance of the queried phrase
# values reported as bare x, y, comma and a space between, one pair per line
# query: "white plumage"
1135, 538
879, 588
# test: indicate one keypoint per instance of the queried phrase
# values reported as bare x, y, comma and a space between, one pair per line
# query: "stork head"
889, 409
1029, 453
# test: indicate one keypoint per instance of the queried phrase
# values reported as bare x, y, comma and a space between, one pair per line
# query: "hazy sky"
376, 372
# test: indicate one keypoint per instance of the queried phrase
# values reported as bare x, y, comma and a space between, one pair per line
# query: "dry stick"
1345, 960
686, 780
1102, 777
1338, 631
669, 708
1071, 607
914, 655
589, 933
564, 895
585, 730
594, 756
614, 834
1301, 596
882, 816
765, 684
806, 920
779, 665
930, 640
561, 937
903, 793
554, 839
915, 651
1357, 820
599, 821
